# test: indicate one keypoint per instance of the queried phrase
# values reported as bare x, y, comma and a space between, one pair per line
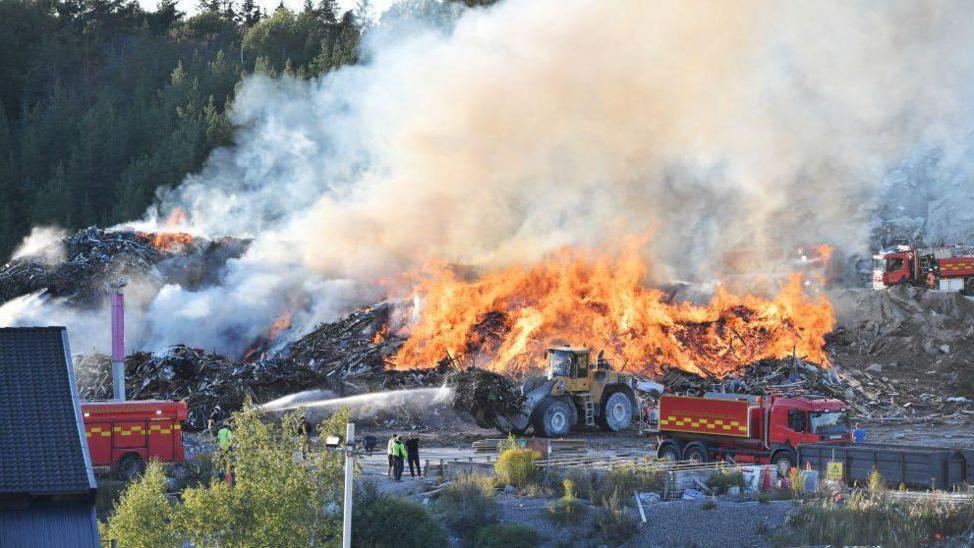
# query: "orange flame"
280, 324
167, 241
504, 319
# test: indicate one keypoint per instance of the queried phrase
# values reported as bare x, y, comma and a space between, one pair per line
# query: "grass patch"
567, 509
614, 521
507, 536
597, 486
468, 503
723, 479
866, 518
516, 466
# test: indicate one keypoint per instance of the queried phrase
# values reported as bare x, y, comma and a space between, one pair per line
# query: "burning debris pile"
77, 267
503, 319
488, 398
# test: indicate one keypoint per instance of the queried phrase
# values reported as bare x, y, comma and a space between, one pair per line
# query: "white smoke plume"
533, 124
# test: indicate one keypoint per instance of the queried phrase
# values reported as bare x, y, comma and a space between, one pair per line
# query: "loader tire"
617, 412
553, 417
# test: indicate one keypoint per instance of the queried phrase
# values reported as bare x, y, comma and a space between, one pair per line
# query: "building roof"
43, 450
50, 524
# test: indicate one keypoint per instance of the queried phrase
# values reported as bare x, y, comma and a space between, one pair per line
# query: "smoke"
43, 243
702, 127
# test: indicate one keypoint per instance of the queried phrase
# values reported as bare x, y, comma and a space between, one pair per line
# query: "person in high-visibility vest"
398, 457
224, 439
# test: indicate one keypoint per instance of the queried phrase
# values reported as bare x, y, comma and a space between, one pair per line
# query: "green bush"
723, 479
516, 466
867, 519
385, 521
615, 521
507, 536
597, 486
567, 509
143, 515
275, 500
709, 504
468, 503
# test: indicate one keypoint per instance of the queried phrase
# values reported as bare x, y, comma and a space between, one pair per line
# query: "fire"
280, 324
167, 241
504, 319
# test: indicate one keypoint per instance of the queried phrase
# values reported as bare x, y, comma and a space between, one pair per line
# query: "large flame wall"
503, 320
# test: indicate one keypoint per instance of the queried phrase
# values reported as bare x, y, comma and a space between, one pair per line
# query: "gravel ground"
685, 523
677, 523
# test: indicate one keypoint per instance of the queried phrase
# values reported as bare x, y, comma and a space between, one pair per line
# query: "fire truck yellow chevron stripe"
697, 422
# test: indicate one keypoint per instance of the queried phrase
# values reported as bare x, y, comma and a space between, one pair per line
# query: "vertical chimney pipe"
118, 343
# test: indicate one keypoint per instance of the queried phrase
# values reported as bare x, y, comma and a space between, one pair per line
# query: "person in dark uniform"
412, 454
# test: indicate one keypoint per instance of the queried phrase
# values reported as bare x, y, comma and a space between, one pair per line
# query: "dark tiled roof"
40, 428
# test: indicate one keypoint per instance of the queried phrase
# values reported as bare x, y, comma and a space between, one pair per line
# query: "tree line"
102, 102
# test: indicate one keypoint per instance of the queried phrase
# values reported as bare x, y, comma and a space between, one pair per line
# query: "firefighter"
225, 441
392, 459
398, 457
412, 452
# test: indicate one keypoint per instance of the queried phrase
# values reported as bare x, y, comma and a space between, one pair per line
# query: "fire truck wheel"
130, 467
617, 412
669, 452
553, 418
784, 461
695, 454
968, 286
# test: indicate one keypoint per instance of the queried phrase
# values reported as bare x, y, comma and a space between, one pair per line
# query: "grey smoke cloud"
541, 123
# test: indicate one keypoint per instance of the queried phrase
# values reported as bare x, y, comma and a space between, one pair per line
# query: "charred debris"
897, 355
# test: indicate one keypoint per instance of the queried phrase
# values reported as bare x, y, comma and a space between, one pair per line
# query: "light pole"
349, 465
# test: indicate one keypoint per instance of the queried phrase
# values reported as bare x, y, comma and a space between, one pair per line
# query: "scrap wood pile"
203, 380
78, 266
351, 350
487, 397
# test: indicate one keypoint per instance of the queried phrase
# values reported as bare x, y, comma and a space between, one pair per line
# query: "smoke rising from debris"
534, 124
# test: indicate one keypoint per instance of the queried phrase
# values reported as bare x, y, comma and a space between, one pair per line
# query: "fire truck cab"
748, 429
123, 435
945, 268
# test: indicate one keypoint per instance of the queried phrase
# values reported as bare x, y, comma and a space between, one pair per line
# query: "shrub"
723, 479
568, 508
795, 483
876, 485
275, 500
614, 520
143, 515
864, 518
597, 486
709, 504
382, 521
507, 536
468, 503
516, 467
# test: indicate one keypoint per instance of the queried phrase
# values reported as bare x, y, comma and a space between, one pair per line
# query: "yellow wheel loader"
578, 392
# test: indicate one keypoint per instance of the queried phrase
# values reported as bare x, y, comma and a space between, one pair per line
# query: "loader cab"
565, 361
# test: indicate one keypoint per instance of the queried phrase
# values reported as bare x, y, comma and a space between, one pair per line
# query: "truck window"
830, 422
796, 420
894, 264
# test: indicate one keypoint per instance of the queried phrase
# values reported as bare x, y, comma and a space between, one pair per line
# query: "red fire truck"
122, 435
747, 429
943, 268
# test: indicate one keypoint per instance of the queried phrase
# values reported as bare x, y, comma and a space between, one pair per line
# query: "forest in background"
102, 102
